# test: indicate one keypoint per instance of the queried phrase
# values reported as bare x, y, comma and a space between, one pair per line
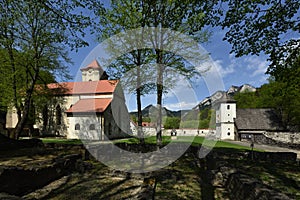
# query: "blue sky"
232, 71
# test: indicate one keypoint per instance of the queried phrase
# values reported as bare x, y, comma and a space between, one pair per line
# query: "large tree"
42, 31
131, 66
182, 16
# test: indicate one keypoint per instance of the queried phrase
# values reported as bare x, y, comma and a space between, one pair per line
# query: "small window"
228, 133
228, 115
228, 128
77, 126
92, 127
90, 80
228, 107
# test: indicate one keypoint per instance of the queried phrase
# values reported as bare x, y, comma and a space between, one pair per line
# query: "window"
77, 126
58, 115
92, 127
228, 107
228, 133
228, 128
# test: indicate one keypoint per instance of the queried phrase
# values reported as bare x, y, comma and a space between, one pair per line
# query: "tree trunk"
159, 86
27, 103
138, 99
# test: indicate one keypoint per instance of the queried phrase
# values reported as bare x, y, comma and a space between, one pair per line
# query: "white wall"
227, 131
225, 116
11, 118
91, 74
84, 132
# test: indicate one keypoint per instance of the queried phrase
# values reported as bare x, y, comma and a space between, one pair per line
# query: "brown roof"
257, 119
88, 87
93, 65
90, 105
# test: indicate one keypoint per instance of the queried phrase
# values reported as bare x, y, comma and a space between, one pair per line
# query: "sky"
186, 95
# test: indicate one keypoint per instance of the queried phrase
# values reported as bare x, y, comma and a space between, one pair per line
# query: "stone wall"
28, 180
286, 137
286, 140
238, 185
241, 186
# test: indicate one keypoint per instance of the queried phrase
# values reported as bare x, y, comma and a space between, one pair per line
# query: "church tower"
225, 117
93, 72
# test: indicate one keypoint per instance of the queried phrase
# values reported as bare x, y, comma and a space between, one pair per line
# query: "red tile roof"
88, 87
93, 65
90, 105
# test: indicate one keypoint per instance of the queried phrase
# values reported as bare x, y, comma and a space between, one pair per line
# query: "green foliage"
172, 123
190, 124
282, 96
260, 26
247, 100
34, 39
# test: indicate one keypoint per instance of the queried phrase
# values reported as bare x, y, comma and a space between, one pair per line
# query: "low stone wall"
241, 186
286, 137
9, 144
19, 181
276, 139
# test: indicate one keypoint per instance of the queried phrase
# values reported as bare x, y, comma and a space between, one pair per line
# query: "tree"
39, 30
130, 67
261, 26
172, 123
279, 95
270, 27
179, 16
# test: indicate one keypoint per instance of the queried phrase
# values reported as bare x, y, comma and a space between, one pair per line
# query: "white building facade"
92, 109
225, 118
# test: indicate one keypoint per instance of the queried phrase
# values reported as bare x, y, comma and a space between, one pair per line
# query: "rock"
4, 196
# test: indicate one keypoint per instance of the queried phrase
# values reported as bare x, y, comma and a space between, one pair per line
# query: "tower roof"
93, 65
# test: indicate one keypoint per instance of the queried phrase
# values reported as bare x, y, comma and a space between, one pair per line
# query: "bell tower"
93, 72
225, 117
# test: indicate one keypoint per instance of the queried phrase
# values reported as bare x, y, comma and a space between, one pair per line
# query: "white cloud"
180, 105
219, 68
258, 65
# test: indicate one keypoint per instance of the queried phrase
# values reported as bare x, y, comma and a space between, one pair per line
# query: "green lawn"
196, 142
166, 139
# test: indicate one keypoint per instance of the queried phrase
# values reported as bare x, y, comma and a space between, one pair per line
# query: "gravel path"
267, 147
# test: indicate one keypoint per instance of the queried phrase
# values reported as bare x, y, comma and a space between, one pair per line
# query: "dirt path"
268, 148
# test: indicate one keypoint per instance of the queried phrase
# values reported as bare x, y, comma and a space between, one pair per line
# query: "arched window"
228, 133
92, 126
58, 115
77, 126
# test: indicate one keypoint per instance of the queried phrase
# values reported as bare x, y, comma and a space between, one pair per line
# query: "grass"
196, 141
